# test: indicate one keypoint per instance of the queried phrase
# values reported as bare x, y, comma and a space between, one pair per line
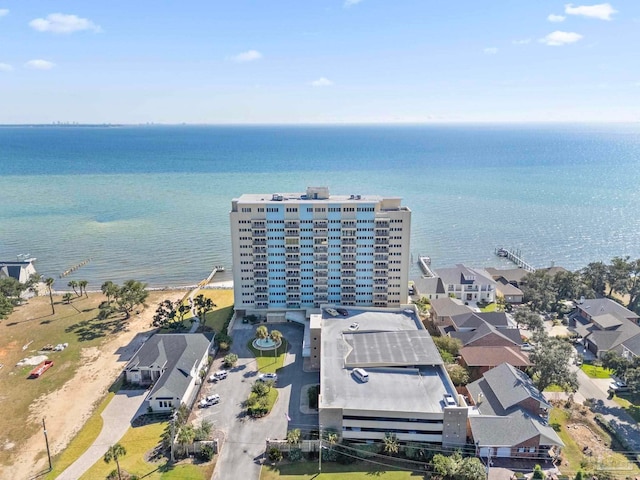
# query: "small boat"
40, 369
219, 268
501, 252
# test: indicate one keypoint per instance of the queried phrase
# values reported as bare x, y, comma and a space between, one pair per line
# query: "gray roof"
504, 388
606, 321
509, 274
390, 388
398, 348
600, 306
475, 319
448, 307
510, 335
176, 353
461, 274
429, 286
512, 430
633, 344
506, 288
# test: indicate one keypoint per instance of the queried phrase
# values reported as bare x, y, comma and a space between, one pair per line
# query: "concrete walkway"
117, 416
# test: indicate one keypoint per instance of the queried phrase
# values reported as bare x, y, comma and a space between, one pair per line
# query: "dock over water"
425, 265
516, 257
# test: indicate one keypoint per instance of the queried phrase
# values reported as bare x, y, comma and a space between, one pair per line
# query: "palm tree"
49, 283
293, 436
391, 444
83, 286
66, 298
276, 336
203, 305
73, 284
114, 453
261, 332
186, 436
109, 289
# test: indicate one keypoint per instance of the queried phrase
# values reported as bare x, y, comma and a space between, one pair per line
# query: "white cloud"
524, 41
248, 56
351, 3
556, 18
4, 12
62, 23
322, 82
39, 64
603, 11
490, 51
5, 67
559, 38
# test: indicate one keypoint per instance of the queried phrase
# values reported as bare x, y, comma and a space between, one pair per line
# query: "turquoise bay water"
152, 203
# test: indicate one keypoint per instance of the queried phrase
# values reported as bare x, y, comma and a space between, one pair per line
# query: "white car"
268, 377
332, 311
354, 326
212, 399
219, 375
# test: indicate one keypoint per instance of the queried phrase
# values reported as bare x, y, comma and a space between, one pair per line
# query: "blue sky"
319, 61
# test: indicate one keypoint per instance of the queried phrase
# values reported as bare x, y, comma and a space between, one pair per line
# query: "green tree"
6, 306
230, 359
530, 320
539, 291
83, 286
261, 389
445, 466
618, 273
448, 344
66, 298
471, 468
458, 374
132, 294
391, 444
49, 283
165, 315
276, 336
186, 436
594, 275
73, 284
616, 362
262, 333
294, 436
114, 453
203, 305
109, 289
551, 360
203, 431
11, 288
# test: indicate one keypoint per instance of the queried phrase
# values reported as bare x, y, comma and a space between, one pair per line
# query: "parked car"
526, 347
354, 326
343, 311
213, 399
266, 377
219, 375
449, 401
203, 403
618, 387
332, 311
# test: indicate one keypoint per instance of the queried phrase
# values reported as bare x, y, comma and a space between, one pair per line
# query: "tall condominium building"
298, 251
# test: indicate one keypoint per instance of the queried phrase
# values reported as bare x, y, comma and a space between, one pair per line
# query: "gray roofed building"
444, 308
599, 306
511, 275
468, 284
489, 335
172, 363
20, 270
391, 349
473, 320
510, 415
429, 287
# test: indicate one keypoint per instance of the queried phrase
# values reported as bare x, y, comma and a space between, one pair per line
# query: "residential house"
510, 416
429, 287
171, 363
21, 269
605, 325
468, 284
442, 309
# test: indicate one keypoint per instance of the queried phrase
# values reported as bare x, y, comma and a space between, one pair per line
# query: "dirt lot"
67, 408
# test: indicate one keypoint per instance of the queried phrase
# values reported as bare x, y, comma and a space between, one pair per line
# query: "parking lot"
245, 437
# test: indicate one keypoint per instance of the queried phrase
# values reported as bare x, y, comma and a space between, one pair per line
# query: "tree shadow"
95, 328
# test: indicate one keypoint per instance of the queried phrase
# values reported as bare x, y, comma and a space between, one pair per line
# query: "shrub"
275, 455
230, 359
538, 474
206, 452
224, 341
295, 455
579, 475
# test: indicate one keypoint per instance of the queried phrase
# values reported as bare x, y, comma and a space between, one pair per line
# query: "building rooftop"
601, 306
389, 344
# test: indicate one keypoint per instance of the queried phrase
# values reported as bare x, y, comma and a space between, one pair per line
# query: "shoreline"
221, 285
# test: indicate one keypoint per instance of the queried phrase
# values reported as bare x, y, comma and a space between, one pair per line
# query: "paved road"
117, 417
618, 418
243, 449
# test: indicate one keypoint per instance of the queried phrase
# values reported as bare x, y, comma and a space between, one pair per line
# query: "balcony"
320, 232
293, 289
261, 274
348, 257
348, 281
262, 305
348, 249
379, 297
320, 281
348, 224
295, 264
291, 233
379, 274
382, 232
381, 257
380, 281
382, 266
382, 241
349, 241
293, 305
259, 233
259, 241
290, 224
259, 249
261, 281
292, 249
349, 274
262, 289
320, 266
382, 223
320, 257
381, 249
379, 304
320, 289
258, 224
320, 297
260, 266
319, 248
262, 297
292, 281
349, 289
380, 289
320, 274
348, 266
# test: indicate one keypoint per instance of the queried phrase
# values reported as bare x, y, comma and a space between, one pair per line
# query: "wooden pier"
516, 257
425, 265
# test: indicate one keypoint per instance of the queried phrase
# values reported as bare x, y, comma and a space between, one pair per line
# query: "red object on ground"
40, 369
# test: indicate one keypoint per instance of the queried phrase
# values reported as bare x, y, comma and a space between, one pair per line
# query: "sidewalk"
117, 417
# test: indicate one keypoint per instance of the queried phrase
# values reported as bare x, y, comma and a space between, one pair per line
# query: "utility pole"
173, 433
320, 451
46, 439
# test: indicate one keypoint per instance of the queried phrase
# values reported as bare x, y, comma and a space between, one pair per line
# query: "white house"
171, 363
468, 284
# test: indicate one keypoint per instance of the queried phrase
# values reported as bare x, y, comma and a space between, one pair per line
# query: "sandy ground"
67, 409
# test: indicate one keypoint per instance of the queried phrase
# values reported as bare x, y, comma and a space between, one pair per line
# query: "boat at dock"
219, 268
40, 369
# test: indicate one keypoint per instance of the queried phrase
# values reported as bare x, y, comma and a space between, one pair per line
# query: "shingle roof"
461, 274
429, 286
633, 344
177, 353
606, 321
447, 307
509, 274
506, 288
493, 356
600, 306
510, 335
474, 319
511, 386
512, 430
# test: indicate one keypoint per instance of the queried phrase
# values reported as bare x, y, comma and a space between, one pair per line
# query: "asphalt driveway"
243, 448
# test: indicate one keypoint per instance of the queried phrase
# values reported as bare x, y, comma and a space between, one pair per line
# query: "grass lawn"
85, 437
492, 307
139, 441
594, 371
269, 361
215, 319
553, 388
334, 471
630, 403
